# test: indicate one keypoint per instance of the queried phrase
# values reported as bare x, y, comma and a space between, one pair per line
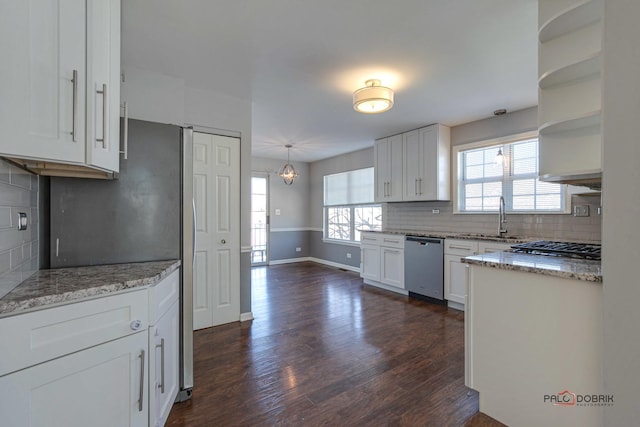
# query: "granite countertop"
63, 285
462, 236
568, 268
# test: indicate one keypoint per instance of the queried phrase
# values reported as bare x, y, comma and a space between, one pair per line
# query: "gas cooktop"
561, 249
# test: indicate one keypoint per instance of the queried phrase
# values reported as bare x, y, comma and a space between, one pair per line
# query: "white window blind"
482, 180
348, 205
349, 188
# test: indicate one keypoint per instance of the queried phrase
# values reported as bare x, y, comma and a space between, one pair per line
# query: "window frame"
352, 216
457, 178
352, 223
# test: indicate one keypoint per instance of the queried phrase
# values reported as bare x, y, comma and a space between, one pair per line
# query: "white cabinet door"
370, 260
455, 278
426, 163
163, 366
103, 84
103, 386
42, 108
388, 169
392, 267
412, 164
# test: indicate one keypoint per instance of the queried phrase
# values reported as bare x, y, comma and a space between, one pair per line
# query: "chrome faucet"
502, 217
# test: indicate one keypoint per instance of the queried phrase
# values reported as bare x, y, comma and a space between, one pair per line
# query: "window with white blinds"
482, 179
348, 205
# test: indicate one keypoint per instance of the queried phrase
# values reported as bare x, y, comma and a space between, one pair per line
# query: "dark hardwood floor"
324, 349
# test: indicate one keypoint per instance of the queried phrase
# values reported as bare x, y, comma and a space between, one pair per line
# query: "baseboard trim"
289, 260
316, 260
335, 264
246, 316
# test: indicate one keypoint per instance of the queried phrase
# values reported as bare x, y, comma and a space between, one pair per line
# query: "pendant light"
499, 156
288, 172
373, 98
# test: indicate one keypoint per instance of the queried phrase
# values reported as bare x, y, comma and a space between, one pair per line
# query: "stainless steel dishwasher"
424, 266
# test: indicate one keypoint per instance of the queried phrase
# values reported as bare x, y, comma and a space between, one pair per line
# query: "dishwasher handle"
423, 240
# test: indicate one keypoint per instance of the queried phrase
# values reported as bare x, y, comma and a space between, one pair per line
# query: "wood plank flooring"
325, 349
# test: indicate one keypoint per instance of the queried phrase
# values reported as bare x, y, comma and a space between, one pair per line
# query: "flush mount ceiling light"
288, 172
373, 98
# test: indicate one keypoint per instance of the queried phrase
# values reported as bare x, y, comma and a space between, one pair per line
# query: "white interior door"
216, 189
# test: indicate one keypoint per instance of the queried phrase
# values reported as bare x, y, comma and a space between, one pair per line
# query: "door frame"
265, 175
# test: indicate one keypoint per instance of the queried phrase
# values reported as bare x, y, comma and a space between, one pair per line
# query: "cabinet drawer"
460, 247
162, 295
392, 240
488, 247
32, 338
370, 238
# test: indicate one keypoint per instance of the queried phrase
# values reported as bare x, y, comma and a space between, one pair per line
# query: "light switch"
22, 221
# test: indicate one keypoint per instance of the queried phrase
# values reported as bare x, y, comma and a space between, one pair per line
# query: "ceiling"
299, 61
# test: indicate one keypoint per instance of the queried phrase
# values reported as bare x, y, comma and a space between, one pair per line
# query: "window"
348, 206
482, 180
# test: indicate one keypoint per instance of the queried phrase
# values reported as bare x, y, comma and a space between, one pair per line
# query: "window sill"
341, 242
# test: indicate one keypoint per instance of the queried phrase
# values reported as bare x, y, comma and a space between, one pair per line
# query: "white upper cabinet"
103, 84
570, 90
54, 117
426, 163
43, 79
388, 169
413, 166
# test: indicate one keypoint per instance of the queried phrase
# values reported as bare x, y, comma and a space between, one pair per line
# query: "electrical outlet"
581, 210
348, 254
298, 249
277, 211
435, 211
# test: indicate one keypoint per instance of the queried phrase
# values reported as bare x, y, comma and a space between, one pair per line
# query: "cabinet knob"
135, 324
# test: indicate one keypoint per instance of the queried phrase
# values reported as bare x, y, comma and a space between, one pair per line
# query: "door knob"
223, 241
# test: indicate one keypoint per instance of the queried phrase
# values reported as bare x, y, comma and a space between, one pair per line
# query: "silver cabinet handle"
161, 346
74, 108
103, 92
459, 247
125, 131
415, 186
141, 395
420, 186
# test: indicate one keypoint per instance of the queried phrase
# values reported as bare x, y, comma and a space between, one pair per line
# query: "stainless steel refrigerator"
146, 214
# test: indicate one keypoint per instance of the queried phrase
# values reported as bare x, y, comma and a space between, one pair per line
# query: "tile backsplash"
19, 250
418, 216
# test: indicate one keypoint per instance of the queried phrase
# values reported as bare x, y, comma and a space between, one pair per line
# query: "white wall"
621, 193
165, 99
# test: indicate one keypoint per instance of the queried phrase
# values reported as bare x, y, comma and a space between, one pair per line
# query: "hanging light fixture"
499, 157
373, 98
288, 172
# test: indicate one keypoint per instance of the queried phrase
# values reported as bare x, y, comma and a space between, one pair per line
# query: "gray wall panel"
333, 252
283, 245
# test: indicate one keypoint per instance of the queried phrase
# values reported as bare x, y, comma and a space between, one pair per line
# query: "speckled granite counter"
463, 236
568, 268
48, 287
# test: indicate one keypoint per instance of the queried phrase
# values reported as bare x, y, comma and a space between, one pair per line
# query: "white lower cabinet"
103, 386
382, 261
456, 274
163, 365
109, 361
392, 267
370, 259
